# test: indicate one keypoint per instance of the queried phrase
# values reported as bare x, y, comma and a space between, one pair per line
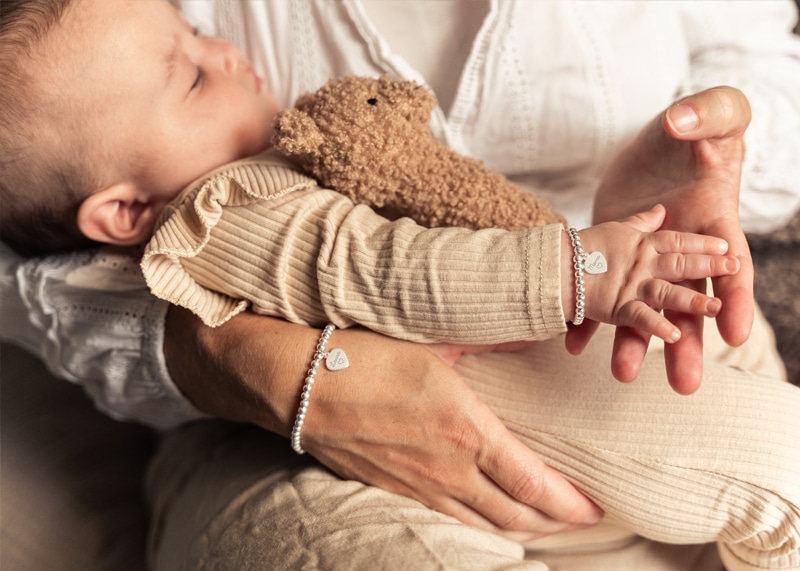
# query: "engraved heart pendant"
336, 360
595, 263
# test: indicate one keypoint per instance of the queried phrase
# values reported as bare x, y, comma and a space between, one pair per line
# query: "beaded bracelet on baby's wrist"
592, 263
335, 360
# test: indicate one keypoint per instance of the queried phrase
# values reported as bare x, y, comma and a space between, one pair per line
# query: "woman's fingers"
496, 483
670, 241
534, 496
577, 338
495, 511
679, 267
627, 356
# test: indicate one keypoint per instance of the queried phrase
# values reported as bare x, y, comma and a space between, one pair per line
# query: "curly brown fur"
369, 139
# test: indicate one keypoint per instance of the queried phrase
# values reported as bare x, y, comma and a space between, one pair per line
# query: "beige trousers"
688, 483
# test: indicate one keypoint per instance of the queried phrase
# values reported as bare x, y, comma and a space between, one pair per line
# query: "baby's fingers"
644, 313
662, 295
679, 267
639, 315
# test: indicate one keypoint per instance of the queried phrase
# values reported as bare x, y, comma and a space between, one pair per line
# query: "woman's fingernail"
683, 118
732, 265
713, 307
675, 336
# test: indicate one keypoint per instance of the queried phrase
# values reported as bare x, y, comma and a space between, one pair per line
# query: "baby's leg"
722, 465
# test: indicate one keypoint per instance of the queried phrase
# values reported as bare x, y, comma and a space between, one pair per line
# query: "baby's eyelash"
199, 79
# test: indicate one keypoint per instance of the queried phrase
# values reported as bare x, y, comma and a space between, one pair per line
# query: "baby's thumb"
649, 221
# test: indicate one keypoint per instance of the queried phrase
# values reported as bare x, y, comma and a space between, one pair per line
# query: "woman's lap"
227, 496
244, 500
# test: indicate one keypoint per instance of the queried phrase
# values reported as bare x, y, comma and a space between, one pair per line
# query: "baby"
111, 114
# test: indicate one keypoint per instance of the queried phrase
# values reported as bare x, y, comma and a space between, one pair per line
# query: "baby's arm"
311, 256
642, 268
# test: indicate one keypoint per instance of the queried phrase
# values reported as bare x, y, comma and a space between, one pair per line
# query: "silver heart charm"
336, 360
595, 263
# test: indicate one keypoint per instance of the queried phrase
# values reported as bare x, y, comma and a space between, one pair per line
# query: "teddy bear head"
355, 120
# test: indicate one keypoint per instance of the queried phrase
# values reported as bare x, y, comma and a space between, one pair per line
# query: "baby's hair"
41, 183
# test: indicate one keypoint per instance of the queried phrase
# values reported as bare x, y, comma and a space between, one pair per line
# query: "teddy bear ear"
305, 102
296, 133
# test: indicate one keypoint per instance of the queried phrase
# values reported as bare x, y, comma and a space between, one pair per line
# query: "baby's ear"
117, 215
296, 133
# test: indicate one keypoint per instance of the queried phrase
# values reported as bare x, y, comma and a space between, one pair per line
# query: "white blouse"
544, 91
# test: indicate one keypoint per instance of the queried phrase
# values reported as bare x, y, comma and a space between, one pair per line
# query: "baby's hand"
643, 268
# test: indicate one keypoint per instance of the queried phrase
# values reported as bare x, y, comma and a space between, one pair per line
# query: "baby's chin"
264, 144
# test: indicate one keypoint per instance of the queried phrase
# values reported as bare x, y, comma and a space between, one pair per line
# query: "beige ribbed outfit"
721, 466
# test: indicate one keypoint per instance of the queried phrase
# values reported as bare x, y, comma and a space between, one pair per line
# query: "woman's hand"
688, 159
642, 265
399, 418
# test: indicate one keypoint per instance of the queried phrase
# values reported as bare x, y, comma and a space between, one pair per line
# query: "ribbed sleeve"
258, 237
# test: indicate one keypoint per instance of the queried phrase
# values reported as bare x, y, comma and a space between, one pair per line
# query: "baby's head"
108, 110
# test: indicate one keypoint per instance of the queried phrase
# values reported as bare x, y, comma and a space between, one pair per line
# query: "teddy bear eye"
372, 101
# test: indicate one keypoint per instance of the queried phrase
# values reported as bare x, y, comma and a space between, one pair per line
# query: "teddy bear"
369, 139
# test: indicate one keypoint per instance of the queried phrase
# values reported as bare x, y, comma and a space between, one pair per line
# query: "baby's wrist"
568, 294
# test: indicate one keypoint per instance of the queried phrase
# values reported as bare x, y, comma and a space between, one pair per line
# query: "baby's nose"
231, 60
229, 55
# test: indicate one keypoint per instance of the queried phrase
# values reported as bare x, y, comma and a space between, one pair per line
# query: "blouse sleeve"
750, 45
91, 319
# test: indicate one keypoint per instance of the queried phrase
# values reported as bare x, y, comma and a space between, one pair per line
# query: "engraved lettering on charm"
595, 263
337, 360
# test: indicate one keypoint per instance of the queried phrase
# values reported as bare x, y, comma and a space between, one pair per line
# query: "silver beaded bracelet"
335, 360
593, 263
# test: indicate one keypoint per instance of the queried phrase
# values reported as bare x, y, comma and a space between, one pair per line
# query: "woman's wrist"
247, 370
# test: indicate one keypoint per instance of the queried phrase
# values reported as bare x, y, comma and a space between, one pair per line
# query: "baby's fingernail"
713, 307
683, 118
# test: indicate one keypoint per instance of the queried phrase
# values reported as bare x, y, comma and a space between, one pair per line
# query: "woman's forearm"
248, 370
